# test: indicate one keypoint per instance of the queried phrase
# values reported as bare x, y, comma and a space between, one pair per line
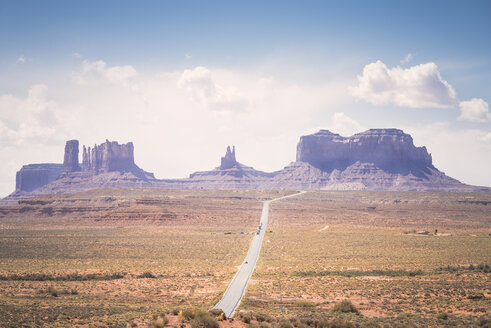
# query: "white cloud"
32, 119
474, 110
407, 59
188, 55
416, 87
117, 75
486, 137
166, 122
199, 84
173, 135
344, 125
21, 59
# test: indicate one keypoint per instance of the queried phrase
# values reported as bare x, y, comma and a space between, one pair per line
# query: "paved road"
235, 291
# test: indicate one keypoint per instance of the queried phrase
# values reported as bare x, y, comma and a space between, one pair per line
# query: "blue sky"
143, 71
237, 33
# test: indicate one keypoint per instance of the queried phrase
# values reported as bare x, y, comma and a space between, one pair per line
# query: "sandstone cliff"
70, 160
109, 164
33, 176
389, 149
111, 157
377, 159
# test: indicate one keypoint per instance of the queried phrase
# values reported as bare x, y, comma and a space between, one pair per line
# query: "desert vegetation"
157, 258
335, 246
128, 254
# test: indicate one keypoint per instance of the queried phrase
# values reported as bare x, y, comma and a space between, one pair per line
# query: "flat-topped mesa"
109, 157
390, 149
228, 161
70, 160
33, 176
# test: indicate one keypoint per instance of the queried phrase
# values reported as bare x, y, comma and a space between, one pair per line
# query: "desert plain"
131, 257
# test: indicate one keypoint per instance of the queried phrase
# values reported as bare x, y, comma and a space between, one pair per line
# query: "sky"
184, 79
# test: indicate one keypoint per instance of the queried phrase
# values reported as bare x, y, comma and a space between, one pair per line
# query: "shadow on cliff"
415, 168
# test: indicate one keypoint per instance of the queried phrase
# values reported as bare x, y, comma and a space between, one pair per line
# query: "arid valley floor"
118, 257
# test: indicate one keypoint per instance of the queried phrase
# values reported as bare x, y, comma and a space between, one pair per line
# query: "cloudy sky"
184, 79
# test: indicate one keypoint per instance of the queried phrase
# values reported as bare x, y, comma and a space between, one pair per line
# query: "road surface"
235, 291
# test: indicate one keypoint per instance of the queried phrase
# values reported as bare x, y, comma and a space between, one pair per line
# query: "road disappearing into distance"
236, 289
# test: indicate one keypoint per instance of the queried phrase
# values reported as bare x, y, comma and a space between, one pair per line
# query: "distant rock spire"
70, 160
228, 161
86, 159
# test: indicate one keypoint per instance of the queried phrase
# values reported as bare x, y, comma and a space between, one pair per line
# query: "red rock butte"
377, 159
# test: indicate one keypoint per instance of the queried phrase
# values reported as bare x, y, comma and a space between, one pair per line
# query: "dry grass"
117, 256
327, 247
102, 244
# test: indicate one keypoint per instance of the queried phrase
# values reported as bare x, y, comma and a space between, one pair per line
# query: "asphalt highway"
236, 289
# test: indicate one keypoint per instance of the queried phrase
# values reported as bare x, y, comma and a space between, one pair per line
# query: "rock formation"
389, 149
33, 176
228, 161
70, 161
86, 160
109, 157
108, 165
377, 159
230, 173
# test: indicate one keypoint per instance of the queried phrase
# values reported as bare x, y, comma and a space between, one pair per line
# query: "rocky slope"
377, 159
364, 176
